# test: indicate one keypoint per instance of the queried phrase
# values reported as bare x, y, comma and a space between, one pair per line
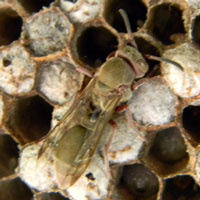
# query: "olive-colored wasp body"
74, 139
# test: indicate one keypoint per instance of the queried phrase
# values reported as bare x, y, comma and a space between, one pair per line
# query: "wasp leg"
153, 72
106, 149
130, 123
84, 71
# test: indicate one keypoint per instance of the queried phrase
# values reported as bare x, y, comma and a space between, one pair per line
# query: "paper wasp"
75, 138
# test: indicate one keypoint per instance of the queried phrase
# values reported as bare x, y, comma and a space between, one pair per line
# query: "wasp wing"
65, 123
81, 144
74, 148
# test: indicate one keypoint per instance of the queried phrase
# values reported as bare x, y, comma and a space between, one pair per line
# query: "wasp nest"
49, 51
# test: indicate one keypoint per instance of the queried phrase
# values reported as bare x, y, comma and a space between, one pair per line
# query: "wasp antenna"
126, 20
165, 60
127, 25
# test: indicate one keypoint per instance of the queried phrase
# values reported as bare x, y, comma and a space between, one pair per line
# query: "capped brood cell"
79, 11
58, 80
168, 152
138, 182
183, 80
47, 32
153, 103
17, 70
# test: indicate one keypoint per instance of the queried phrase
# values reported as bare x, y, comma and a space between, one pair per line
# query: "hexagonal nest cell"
95, 50
10, 26
36, 6
29, 119
190, 120
140, 181
141, 127
164, 21
136, 12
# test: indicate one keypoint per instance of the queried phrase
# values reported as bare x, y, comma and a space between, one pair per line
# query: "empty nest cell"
10, 25
191, 122
14, 189
181, 187
8, 155
34, 6
136, 11
29, 119
165, 21
94, 45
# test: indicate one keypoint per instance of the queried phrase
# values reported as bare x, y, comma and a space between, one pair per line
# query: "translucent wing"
65, 123
80, 142
75, 138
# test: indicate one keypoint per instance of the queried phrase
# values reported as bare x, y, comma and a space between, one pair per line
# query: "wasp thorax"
113, 74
